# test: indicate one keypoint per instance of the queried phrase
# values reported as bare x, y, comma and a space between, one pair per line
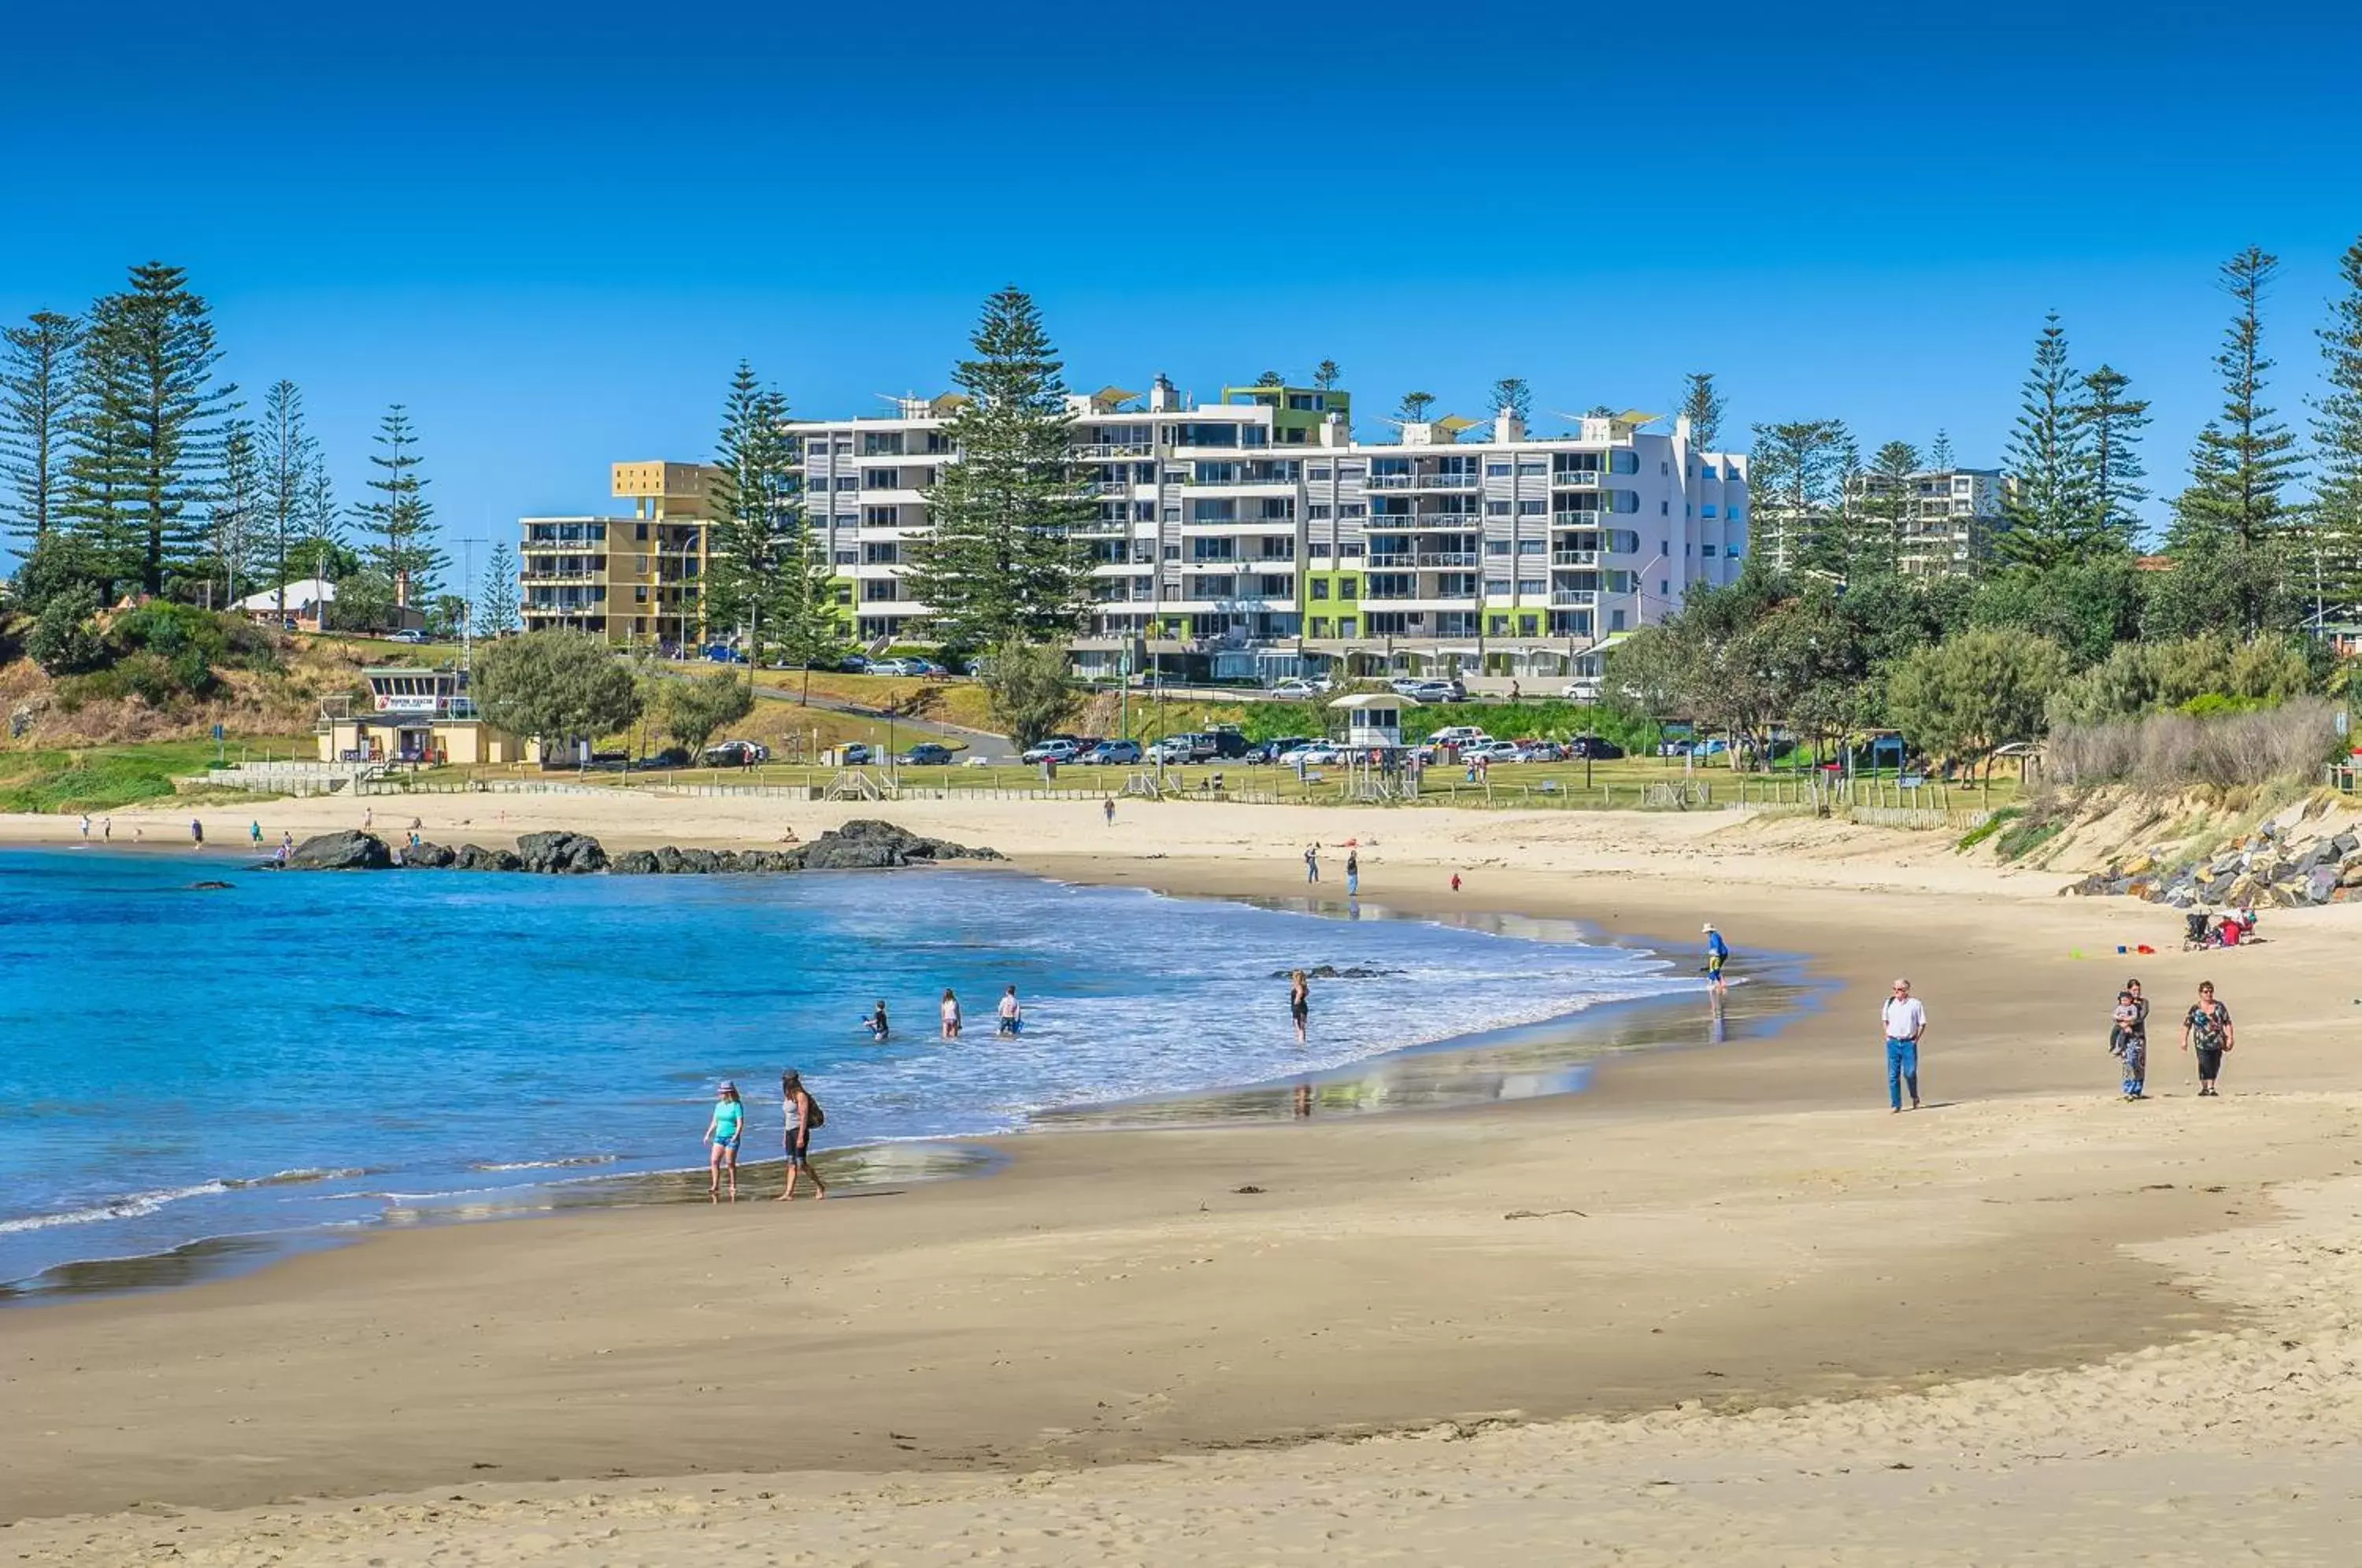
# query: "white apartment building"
1254, 536
1946, 520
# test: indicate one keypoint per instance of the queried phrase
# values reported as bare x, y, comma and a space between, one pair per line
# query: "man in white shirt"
1906, 1020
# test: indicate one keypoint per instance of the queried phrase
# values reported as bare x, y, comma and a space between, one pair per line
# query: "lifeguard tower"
1376, 766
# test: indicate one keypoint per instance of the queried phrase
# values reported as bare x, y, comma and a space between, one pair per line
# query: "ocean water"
299, 1052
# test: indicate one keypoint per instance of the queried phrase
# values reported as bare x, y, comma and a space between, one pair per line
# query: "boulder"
476, 857
768, 860
431, 857
348, 851
561, 854
2320, 883
669, 861
634, 863
2347, 843
866, 843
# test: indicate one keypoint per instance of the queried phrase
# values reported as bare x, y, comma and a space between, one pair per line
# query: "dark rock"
476, 857
1330, 972
2320, 883
561, 854
769, 860
697, 862
669, 861
207, 887
2318, 853
634, 863
2347, 843
348, 851
866, 843
430, 857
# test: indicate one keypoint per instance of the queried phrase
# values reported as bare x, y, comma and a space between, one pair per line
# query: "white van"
1460, 736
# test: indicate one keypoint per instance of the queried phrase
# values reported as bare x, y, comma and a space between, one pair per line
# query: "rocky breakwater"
865, 844
2270, 869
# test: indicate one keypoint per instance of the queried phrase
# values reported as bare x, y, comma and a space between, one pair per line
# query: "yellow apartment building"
630, 580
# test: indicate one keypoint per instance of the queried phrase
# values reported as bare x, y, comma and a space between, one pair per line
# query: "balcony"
1576, 479
1390, 481
1463, 560
1575, 558
1104, 450
1449, 481
1574, 598
1107, 487
1576, 519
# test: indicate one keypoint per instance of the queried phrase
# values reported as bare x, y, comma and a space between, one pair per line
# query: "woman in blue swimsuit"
722, 1132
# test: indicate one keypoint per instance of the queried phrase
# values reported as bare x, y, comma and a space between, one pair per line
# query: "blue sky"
551, 231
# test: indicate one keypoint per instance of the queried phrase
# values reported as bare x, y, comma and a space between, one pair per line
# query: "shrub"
63, 640
2142, 677
2174, 750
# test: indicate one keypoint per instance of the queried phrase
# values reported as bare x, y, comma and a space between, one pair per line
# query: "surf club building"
417, 718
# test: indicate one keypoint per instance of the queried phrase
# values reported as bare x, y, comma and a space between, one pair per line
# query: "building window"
1531, 508
1320, 625
1496, 547
1317, 471
1496, 588
1347, 626
1532, 469
1529, 546
1706, 550
1496, 471
1531, 585
1353, 509
1319, 588
1348, 587
846, 481
1353, 550
1317, 512
1496, 509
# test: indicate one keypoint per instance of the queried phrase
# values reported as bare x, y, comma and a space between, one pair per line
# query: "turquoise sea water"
296, 1052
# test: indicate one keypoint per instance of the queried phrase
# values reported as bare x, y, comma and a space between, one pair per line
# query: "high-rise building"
635, 578
1945, 518
1254, 536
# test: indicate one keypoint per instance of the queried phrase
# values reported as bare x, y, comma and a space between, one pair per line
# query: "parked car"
1295, 689
1229, 745
1593, 748
1436, 692
1541, 751
1710, 746
1175, 748
857, 755
1057, 749
1312, 754
409, 635
926, 754
736, 754
1272, 750
1675, 747
853, 664
1492, 751
894, 666
1459, 736
722, 653
1111, 754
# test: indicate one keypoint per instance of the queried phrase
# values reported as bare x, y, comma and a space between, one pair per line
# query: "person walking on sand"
2206, 1029
1299, 1002
85, 827
1906, 1020
951, 1015
1718, 953
369, 818
197, 832
1312, 864
1352, 873
722, 1134
106, 831
1110, 810
254, 835
804, 1116
1012, 1014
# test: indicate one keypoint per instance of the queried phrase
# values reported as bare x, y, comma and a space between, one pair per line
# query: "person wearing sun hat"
1718, 953
721, 1133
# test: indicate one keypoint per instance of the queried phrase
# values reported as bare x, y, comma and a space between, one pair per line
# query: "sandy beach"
1722, 1303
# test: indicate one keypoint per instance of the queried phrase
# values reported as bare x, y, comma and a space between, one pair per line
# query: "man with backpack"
2206, 1029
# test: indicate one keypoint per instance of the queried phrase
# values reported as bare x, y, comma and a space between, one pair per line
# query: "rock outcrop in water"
864, 845
1330, 972
348, 851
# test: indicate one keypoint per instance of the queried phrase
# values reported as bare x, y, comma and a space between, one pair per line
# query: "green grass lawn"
103, 778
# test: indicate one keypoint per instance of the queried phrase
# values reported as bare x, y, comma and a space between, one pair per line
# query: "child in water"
877, 1027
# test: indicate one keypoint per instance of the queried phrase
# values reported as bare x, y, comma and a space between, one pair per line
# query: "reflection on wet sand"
1557, 1057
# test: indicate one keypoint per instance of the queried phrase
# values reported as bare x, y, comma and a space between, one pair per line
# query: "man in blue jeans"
1905, 1020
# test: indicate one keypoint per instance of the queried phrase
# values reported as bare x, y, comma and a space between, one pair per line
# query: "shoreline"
1708, 1249
1556, 1053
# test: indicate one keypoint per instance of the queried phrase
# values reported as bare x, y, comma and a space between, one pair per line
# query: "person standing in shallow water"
1312, 864
721, 1136
1299, 1002
1352, 873
951, 1015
